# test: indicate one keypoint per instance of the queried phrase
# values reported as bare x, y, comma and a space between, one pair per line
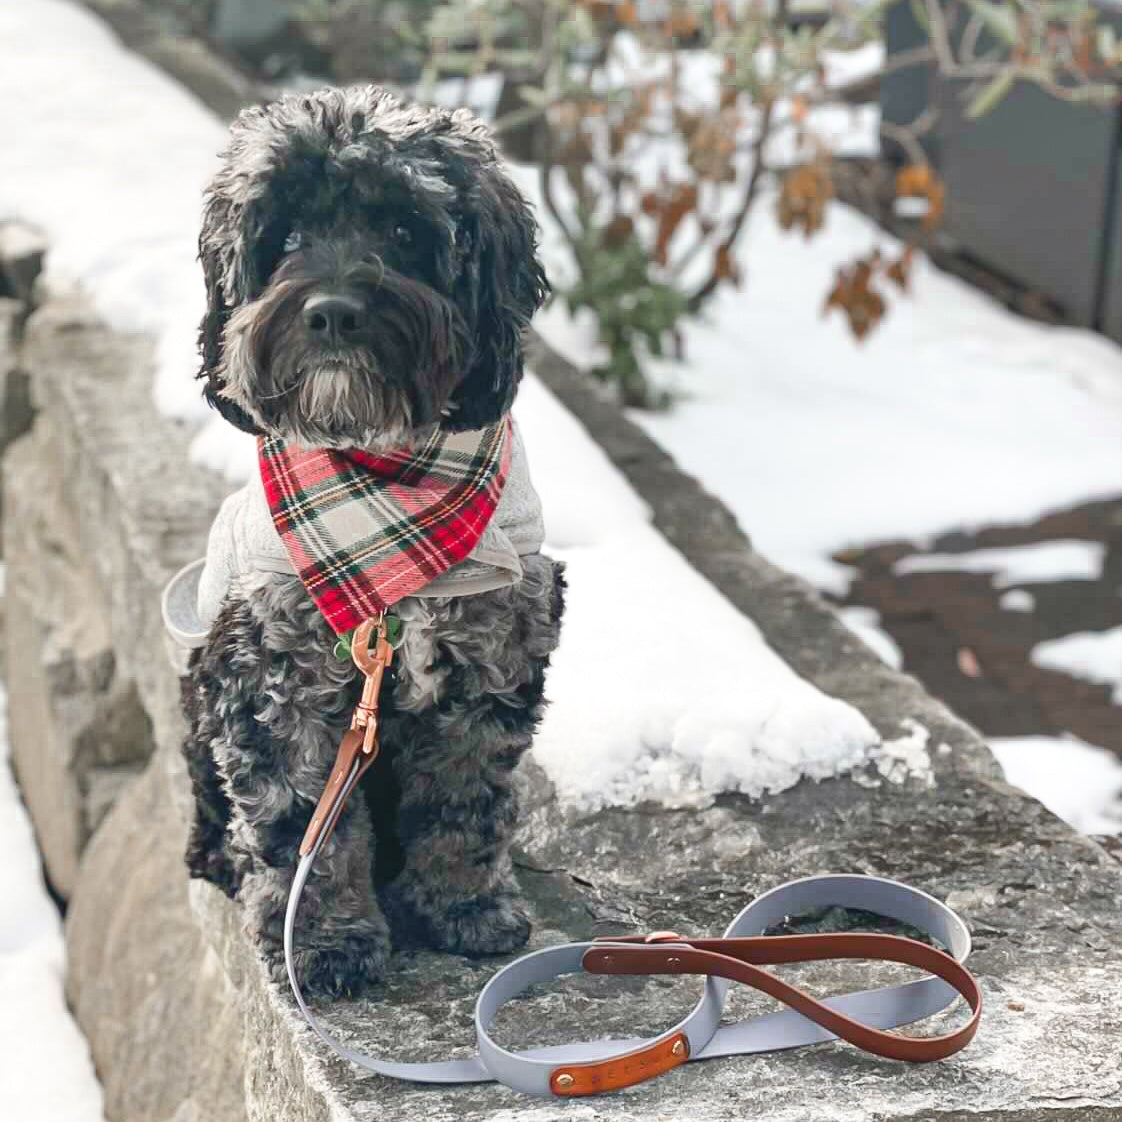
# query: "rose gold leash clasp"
360, 741
372, 660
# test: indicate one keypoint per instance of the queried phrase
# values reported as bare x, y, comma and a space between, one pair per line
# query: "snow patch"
109, 157
1094, 656
1017, 600
865, 624
1064, 559
1076, 781
660, 690
907, 756
953, 412
843, 67
46, 1074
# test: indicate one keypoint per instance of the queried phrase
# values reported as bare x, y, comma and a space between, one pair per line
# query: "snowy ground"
1095, 656
1064, 559
1076, 781
954, 412
45, 1069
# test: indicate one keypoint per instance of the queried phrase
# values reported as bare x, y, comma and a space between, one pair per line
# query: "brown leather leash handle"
740, 960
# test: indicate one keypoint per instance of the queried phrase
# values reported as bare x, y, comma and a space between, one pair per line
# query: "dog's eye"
402, 235
292, 242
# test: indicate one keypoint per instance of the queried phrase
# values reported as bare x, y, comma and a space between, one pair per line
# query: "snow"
1040, 562
1095, 656
660, 690
865, 624
632, 716
844, 67
953, 413
1017, 600
1078, 782
46, 1074
109, 157
907, 756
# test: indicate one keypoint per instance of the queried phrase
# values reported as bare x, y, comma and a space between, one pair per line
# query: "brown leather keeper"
620, 1071
737, 959
350, 749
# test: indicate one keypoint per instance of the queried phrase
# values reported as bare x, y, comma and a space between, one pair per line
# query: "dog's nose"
333, 316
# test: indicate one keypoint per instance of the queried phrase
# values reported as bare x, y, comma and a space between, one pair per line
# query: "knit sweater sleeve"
221, 559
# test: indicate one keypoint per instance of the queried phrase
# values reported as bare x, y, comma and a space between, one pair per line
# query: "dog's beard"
385, 391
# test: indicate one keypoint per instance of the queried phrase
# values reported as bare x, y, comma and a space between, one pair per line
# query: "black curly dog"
406, 214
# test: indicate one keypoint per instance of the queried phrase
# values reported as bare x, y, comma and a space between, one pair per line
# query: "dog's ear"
505, 284
218, 234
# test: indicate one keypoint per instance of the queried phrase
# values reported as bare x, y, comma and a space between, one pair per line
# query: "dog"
370, 270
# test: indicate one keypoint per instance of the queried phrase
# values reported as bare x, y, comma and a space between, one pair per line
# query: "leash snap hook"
372, 660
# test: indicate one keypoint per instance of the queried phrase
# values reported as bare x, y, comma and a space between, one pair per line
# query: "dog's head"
370, 270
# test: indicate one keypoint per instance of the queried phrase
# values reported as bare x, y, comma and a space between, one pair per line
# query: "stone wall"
181, 1019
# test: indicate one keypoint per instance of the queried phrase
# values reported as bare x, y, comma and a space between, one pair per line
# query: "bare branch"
751, 191
906, 139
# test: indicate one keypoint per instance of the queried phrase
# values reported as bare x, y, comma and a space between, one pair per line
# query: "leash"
739, 955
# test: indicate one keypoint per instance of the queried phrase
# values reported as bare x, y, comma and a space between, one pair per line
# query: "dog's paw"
485, 925
346, 966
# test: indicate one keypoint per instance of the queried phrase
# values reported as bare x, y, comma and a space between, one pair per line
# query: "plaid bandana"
364, 531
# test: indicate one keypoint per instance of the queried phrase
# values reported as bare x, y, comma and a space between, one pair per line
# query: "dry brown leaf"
900, 270
803, 196
711, 147
854, 295
618, 231
671, 211
725, 267
919, 181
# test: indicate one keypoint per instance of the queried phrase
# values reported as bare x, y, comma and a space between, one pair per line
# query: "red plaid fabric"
364, 531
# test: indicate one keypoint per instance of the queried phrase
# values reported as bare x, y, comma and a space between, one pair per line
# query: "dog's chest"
417, 675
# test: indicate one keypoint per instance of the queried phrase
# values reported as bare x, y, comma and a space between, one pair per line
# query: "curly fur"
343, 169
312, 197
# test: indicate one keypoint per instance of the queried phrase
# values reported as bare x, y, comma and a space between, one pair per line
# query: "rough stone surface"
1042, 902
11, 317
22, 253
79, 732
160, 1010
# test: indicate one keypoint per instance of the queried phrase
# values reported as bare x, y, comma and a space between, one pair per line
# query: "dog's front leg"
471, 675
456, 891
283, 701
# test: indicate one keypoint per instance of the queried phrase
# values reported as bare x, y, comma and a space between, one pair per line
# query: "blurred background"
855, 266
